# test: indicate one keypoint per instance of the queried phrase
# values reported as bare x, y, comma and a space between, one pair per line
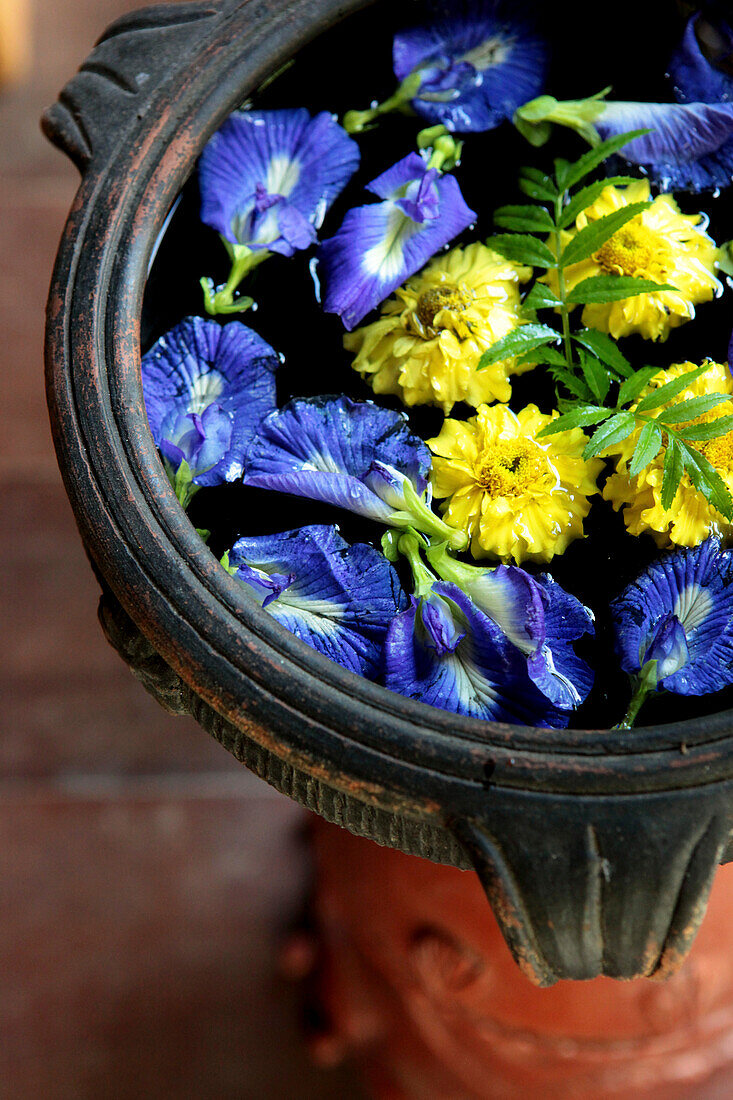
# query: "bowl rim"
243, 663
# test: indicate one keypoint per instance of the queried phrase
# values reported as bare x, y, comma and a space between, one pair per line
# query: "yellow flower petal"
427, 344
516, 497
660, 244
690, 519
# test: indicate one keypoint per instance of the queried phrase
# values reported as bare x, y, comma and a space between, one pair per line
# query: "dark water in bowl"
348, 68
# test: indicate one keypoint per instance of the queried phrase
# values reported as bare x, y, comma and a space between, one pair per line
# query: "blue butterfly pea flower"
441, 632
444, 651
476, 65
206, 389
354, 455
267, 178
380, 245
690, 147
337, 598
679, 613
536, 615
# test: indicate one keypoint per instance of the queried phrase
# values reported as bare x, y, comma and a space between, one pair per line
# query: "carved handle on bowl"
588, 886
117, 82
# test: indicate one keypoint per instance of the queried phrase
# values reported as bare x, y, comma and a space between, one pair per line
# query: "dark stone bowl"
596, 849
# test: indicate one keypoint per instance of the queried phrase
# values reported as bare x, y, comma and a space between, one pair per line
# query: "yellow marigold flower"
690, 519
426, 346
660, 244
518, 498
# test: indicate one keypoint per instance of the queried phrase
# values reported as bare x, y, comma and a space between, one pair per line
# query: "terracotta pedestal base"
419, 988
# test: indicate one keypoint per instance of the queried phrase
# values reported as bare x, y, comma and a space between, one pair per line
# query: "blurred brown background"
146, 879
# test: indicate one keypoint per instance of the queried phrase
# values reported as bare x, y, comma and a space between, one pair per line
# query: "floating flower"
445, 652
350, 454
679, 615
267, 179
207, 388
476, 66
701, 69
340, 599
690, 519
661, 245
427, 345
516, 497
468, 70
380, 245
690, 147
537, 616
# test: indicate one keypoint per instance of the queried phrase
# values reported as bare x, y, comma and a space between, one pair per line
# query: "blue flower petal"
267, 178
201, 439
555, 667
700, 77
478, 66
391, 184
513, 600
484, 676
696, 587
442, 633
340, 599
537, 616
265, 586
389, 484
381, 245
207, 388
330, 448
690, 148
668, 647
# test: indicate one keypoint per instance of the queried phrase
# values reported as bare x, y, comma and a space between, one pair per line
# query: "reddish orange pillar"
417, 985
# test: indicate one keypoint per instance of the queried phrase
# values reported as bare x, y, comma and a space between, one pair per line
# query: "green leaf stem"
666, 393
584, 198
599, 289
594, 158
524, 219
537, 185
649, 445
615, 430
520, 340
606, 349
581, 417
521, 248
589, 239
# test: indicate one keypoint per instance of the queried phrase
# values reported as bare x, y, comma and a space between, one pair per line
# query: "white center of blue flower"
313, 619
496, 602
204, 389
315, 610
693, 606
283, 174
323, 463
493, 51
476, 693
447, 78
386, 258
